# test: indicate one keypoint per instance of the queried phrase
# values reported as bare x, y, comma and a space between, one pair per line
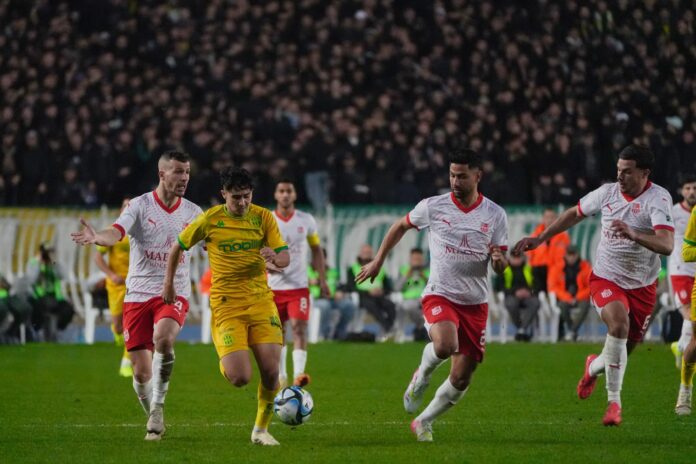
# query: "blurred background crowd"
358, 100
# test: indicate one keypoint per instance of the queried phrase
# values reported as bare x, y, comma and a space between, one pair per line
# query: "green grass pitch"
63, 403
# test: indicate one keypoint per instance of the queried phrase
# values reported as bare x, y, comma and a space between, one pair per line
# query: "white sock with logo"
685, 337
299, 361
615, 358
144, 392
445, 397
162, 366
429, 362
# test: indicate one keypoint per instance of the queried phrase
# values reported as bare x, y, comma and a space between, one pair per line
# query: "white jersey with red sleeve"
153, 228
621, 260
299, 231
460, 239
677, 265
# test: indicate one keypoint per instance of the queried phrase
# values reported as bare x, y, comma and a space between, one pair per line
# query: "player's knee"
142, 377
444, 350
237, 380
618, 329
461, 383
165, 344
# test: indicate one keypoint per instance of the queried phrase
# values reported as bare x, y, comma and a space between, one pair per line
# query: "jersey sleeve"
312, 232
419, 217
272, 237
194, 232
102, 249
500, 233
689, 245
128, 218
661, 212
591, 204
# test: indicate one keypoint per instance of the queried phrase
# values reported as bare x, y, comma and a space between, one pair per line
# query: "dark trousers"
381, 308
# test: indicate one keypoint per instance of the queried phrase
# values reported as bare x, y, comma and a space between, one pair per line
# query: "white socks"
685, 337
597, 366
299, 361
429, 362
144, 392
615, 358
445, 397
162, 366
283, 367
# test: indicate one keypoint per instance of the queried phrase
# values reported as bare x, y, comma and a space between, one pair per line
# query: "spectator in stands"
520, 300
373, 295
569, 280
15, 310
413, 278
338, 311
547, 254
51, 311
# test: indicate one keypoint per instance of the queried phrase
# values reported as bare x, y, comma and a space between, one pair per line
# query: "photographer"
52, 312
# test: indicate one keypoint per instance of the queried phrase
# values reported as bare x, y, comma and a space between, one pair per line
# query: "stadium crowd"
359, 98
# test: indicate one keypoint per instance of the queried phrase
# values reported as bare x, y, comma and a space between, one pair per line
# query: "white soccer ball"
293, 405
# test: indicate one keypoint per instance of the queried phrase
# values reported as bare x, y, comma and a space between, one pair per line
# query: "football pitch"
62, 403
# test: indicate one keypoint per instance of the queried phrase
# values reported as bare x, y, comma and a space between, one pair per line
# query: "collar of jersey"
234, 216
629, 198
463, 208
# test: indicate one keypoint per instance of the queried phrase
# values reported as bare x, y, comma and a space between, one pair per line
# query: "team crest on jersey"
300, 230
255, 221
220, 224
484, 227
635, 208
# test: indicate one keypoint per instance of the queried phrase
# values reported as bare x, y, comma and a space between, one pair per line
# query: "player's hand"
117, 279
325, 291
527, 244
368, 271
623, 230
168, 294
497, 254
272, 268
85, 236
267, 254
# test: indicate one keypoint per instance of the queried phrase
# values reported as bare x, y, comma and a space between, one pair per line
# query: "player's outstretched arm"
168, 291
88, 236
565, 221
660, 241
394, 235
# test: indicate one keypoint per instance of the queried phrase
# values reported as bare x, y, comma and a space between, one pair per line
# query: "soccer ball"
293, 405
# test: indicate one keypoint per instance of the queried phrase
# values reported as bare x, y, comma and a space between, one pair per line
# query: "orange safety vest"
548, 253
557, 281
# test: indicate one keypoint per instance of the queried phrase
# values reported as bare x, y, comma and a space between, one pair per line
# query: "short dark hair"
284, 180
466, 156
687, 178
236, 178
641, 154
175, 155
417, 250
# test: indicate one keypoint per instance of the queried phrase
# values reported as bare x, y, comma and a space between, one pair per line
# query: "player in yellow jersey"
688, 367
243, 241
116, 269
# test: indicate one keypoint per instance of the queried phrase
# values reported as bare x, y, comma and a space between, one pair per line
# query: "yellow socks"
687, 373
265, 408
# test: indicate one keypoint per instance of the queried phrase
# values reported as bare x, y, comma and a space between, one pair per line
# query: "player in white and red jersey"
152, 221
637, 227
681, 273
467, 231
291, 285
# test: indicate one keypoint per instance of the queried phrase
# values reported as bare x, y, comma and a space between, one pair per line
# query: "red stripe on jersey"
663, 227
408, 220
580, 210
163, 206
120, 229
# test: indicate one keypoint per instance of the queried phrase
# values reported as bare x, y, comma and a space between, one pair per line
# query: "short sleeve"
102, 249
500, 233
419, 217
591, 204
661, 212
272, 237
194, 232
128, 217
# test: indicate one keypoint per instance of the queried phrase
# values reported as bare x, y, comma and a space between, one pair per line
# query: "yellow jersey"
233, 243
689, 245
117, 255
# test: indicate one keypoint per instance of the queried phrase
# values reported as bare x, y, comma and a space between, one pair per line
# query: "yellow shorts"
116, 295
236, 328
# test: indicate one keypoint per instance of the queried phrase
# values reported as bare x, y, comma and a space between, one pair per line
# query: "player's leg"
137, 330
615, 354
265, 338
116, 296
168, 322
683, 407
471, 345
236, 368
283, 356
682, 287
298, 311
